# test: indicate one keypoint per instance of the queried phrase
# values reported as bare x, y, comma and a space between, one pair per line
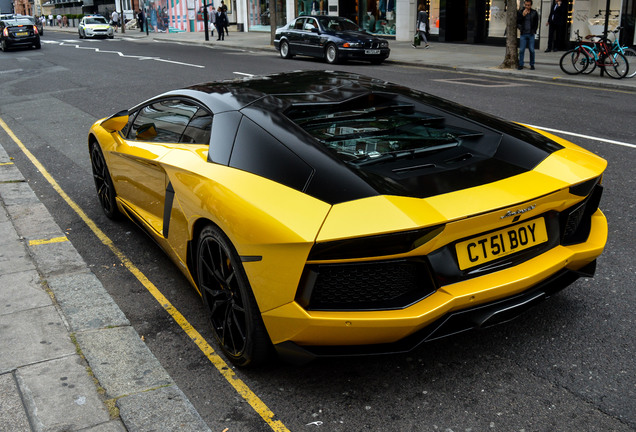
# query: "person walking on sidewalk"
527, 23
556, 22
212, 22
114, 19
141, 18
224, 10
422, 26
221, 21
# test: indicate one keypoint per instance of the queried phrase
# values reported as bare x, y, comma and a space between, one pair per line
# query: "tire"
574, 62
235, 318
331, 54
285, 52
111, 37
591, 65
616, 65
38, 45
103, 182
3, 46
630, 55
81, 36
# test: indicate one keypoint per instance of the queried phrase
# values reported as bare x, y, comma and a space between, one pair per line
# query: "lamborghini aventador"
328, 214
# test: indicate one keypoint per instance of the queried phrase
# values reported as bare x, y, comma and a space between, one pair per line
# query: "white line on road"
557, 131
120, 54
243, 73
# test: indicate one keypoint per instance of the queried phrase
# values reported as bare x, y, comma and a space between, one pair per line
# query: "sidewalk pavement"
70, 360
482, 59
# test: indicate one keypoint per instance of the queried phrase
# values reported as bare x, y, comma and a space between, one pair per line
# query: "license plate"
372, 51
22, 34
507, 241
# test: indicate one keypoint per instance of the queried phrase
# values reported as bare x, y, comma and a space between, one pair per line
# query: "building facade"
459, 21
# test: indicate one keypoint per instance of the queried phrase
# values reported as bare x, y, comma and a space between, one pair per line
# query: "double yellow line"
241, 388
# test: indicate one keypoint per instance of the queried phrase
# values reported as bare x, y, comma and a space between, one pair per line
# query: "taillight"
35, 30
6, 32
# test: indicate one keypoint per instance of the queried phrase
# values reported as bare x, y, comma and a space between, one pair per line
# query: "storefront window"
311, 7
377, 16
259, 14
496, 18
588, 17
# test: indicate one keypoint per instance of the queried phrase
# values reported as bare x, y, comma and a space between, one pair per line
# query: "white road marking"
560, 132
74, 44
243, 73
11, 71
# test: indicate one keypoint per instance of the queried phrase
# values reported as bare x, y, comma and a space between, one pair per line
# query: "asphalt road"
568, 365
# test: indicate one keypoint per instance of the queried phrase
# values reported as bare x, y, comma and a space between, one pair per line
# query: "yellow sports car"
327, 214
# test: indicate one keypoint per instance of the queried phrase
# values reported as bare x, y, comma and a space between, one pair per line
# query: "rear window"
19, 21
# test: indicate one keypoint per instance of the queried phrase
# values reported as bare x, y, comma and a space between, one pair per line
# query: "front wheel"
331, 54
616, 65
103, 182
630, 55
574, 62
81, 36
3, 46
235, 317
284, 50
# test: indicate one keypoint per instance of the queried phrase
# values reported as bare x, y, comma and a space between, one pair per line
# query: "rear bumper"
22, 42
452, 323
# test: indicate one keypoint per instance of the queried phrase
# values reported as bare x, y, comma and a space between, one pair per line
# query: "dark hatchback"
18, 32
334, 39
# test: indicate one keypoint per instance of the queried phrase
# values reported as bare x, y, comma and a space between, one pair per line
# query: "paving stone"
56, 258
32, 336
121, 362
10, 173
13, 256
12, 415
144, 412
61, 396
21, 291
19, 193
85, 302
34, 222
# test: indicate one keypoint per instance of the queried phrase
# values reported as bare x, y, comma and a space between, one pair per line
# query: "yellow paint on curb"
6, 163
239, 386
48, 241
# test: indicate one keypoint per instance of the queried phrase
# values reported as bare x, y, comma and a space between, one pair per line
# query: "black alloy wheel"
103, 182
233, 313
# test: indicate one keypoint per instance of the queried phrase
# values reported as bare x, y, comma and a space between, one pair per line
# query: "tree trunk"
511, 60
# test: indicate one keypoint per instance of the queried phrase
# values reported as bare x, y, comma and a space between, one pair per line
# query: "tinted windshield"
96, 20
338, 24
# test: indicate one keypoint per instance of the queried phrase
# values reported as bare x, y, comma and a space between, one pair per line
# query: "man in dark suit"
556, 22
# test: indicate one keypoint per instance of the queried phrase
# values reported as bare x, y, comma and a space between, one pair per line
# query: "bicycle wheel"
616, 65
574, 61
630, 55
592, 57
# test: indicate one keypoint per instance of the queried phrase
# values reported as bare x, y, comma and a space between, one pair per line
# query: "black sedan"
18, 32
335, 39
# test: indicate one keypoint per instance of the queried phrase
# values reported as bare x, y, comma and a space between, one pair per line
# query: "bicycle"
615, 46
582, 57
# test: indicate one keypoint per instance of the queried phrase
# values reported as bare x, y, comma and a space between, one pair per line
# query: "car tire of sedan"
103, 182
80, 34
236, 321
37, 45
284, 50
111, 37
3, 46
331, 54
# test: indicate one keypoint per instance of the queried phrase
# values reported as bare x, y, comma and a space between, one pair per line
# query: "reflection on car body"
334, 39
328, 214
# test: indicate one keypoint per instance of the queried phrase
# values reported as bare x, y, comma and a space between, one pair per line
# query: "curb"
118, 384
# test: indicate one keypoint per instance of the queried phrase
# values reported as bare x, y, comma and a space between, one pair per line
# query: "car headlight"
384, 45
353, 45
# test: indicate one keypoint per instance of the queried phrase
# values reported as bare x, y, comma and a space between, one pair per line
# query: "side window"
162, 121
258, 152
311, 24
298, 25
199, 128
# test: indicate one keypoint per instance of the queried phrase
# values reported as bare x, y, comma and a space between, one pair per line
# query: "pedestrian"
59, 20
114, 20
556, 22
51, 20
221, 21
527, 23
141, 19
422, 26
212, 24
224, 9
